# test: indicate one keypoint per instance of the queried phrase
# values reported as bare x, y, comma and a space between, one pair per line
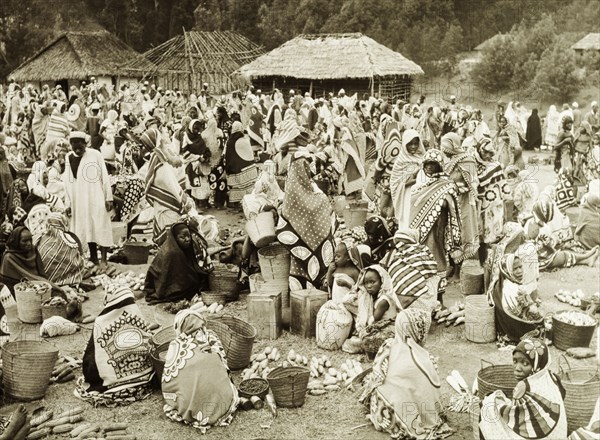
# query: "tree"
495, 70
557, 77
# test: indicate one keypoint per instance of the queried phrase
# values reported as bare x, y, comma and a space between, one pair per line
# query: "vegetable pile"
129, 279
573, 317
452, 315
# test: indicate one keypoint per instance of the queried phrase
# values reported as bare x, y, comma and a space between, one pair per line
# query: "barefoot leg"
18, 420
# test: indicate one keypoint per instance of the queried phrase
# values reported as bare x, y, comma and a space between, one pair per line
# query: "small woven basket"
582, 385
480, 322
474, 412
224, 281
261, 229
495, 377
274, 261
158, 356
471, 278
289, 385
237, 338
214, 297
163, 336
262, 384
566, 335
30, 295
49, 310
26, 368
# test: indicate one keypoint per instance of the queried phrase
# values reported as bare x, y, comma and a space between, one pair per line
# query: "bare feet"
15, 428
592, 258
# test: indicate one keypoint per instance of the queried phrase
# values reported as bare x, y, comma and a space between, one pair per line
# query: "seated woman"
117, 368
37, 183
403, 393
61, 252
181, 266
22, 261
195, 382
379, 238
536, 410
587, 231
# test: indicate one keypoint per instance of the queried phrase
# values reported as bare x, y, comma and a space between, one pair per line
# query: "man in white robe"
88, 197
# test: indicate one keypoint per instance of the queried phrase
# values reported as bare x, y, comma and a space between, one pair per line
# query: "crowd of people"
442, 187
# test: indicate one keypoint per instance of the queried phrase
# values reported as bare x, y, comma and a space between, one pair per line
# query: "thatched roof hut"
587, 43
77, 56
187, 61
485, 45
328, 62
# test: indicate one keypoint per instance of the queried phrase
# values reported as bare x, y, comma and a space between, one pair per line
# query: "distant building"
591, 42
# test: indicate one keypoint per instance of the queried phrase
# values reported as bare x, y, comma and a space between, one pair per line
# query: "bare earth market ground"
335, 415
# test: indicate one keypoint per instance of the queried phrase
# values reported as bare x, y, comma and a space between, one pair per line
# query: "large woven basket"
261, 229
158, 356
237, 338
214, 297
471, 278
49, 311
26, 368
137, 252
30, 295
274, 261
582, 385
480, 323
273, 287
163, 336
565, 336
223, 280
495, 377
289, 385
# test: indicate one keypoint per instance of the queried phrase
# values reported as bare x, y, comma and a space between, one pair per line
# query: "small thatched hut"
589, 43
78, 55
187, 61
322, 63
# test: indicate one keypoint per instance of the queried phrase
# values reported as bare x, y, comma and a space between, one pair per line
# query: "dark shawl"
17, 264
534, 131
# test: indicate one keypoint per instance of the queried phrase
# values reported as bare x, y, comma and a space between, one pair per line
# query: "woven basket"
480, 322
582, 385
137, 252
163, 336
30, 295
214, 297
274, 261
273, 287
224, 281
566, 335
289, 385
261, 229
495, 377
474, 412
261, 394
471, 278
157, 360
49, 311
237, 338
26, 368
355, 216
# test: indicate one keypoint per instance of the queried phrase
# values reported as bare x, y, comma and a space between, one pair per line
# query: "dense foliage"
430, 32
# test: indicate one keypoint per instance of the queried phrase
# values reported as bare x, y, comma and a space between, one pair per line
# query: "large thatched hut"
188, 60
76, 56
589, 43
322, 63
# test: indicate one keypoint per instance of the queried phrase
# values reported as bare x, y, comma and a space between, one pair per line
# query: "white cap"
342, 91
292, 92
452, 97
575, 105
77, 135
95, 106
594, 103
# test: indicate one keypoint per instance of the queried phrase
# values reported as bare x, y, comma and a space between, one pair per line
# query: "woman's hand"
343, 283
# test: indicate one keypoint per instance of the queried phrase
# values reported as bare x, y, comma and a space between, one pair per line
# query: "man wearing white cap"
88, 197
576, 116
592, 117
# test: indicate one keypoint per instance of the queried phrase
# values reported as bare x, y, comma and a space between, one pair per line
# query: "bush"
496, 68
557, 76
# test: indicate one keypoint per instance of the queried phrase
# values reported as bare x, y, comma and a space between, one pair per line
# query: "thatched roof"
589, 42
77, 55
197, 53
487, 43
331, 56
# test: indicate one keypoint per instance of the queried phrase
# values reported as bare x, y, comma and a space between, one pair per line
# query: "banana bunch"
452, 315
462, 401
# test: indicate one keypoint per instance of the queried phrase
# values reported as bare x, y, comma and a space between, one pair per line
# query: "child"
516, 297
344, 270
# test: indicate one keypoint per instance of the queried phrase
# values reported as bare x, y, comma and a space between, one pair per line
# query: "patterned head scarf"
117, 295
412, 324
150, 139
378, 228
407, 235
536, 351
543, 210
450, 144
507, 266
57, 220
435, 156
189, 322
237, 127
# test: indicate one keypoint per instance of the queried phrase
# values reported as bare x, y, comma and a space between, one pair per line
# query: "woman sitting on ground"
117, 367
181, 267
22, 261
403, 392
536, 410
587, 231
195, 382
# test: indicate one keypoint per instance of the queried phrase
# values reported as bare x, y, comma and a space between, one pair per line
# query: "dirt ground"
334, 415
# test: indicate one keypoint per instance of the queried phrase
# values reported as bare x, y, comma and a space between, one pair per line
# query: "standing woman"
533, 135
240, 167
552, 126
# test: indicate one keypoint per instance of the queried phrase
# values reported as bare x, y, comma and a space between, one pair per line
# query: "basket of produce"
26, 368
56, 306
261, 229
137, 252
209, 298
495, 377
223, 280
30, 295
289, 385
274, 261
572, 328
237, 338
163, 336
582, 385
159, 356
253, 387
